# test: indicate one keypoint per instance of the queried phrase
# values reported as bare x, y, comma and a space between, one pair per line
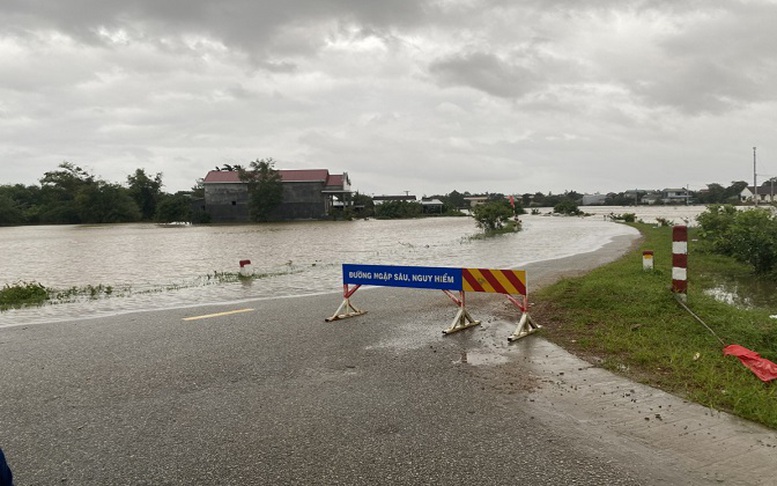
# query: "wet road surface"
274, 395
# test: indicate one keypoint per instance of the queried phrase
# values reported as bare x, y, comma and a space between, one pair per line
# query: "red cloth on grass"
764, 369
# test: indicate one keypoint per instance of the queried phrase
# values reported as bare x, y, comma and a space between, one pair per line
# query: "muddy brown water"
150, 266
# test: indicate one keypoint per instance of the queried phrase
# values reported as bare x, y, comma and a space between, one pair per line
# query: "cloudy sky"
425, 96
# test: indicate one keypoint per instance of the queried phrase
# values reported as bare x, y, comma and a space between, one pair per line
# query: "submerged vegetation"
498, 216
626, 320
26, 294
22, 293
567, 208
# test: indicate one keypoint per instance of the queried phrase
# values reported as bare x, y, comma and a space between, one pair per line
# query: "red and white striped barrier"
680, 261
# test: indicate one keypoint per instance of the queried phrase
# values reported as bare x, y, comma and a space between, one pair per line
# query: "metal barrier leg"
462, 320
346, 309
526, 325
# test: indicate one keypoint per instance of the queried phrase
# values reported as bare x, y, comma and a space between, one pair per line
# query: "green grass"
26, 294
21, 294
627, 320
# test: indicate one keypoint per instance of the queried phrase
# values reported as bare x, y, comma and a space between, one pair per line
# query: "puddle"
745, 293
481, 358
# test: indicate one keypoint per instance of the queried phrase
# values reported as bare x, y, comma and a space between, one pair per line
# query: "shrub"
398, 210
568, 208
749, 236
493, 215
22, 293
715, 225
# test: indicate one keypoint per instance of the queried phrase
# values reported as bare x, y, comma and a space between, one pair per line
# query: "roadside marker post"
245, 268
511, 283
647, 260
680, 261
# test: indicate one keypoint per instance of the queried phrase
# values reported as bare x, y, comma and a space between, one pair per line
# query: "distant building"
307, 194
432, 205
765, 193
652, 197
475, 200
675, 195
594, 199
378, 200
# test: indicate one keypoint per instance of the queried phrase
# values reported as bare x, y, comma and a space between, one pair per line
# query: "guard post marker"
511, 283
680, 261
647, 260
245, 268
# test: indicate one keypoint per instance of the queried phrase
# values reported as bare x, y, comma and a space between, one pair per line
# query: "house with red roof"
307, 194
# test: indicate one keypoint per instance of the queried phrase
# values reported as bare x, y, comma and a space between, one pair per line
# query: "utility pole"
755, 181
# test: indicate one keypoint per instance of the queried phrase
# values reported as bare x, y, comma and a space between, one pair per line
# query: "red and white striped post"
680, 261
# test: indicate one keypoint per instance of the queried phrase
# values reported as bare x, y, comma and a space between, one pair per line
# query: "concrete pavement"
276, 396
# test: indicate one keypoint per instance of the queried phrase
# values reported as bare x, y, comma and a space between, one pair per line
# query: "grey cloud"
485, 72
712, 63
700, 87
248, 25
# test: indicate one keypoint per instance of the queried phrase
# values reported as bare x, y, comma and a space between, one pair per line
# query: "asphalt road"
274, 395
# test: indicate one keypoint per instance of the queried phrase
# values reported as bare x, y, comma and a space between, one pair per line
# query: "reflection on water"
746, 293
685, 215
168, 266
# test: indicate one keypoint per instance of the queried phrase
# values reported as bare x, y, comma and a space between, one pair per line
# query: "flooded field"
149, 266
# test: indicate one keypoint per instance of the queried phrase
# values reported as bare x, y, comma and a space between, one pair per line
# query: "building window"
234, 203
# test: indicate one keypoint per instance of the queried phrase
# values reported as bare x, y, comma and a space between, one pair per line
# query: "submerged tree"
265, 188
493, 215
398, 210
173, 208
567, 207
103, 202
146, 192
59, 189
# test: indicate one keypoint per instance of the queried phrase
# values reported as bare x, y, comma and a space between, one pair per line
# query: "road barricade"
511, 283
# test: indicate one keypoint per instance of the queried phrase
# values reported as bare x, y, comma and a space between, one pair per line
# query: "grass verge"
626, 320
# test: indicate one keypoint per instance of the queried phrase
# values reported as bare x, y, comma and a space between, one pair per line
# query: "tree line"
72, 195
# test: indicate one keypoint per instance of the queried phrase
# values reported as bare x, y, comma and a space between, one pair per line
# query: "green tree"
733, 191
715, 227
493, 215
10, 212
146, 192
106, 203
754, 239
198, 189
172, 208
363, 207
265, 188
59, 189
455, 200
398, 210
21, 204
715, 194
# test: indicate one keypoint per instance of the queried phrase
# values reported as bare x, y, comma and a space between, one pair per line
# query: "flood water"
153, 267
